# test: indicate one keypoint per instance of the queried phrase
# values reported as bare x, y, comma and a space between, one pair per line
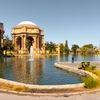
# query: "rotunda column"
42, 42
1, 38
22, 42
13, 39
35, 42
15, 42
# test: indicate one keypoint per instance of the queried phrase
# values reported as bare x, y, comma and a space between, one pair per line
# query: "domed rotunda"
24, 35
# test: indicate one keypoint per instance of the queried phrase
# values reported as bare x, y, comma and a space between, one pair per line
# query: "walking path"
94, 95
76, 64
91, 96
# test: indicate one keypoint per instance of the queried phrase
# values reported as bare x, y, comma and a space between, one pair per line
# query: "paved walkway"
85, 96
76, 64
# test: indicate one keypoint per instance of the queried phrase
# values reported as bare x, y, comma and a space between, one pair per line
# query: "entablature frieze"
32, 31
23, 29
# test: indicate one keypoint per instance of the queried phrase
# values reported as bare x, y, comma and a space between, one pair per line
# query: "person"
72, 59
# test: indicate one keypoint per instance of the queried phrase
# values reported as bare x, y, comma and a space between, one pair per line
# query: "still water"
41, 71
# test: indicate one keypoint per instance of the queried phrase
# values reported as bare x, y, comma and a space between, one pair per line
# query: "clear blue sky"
77, 21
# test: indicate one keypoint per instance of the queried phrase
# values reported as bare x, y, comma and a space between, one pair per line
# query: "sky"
77, 21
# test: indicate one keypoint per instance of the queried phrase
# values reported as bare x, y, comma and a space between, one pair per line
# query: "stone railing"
75, 70
47, 87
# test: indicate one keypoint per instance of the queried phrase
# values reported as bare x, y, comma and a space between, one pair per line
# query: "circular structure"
27, 22
24, 35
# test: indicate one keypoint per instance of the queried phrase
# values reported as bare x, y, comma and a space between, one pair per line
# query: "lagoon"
41, 71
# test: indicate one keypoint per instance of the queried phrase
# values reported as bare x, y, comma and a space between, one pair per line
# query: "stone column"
1, 39
13, 39
42, 42
22, 42
35, 42
38, 42
1, 42
15, 42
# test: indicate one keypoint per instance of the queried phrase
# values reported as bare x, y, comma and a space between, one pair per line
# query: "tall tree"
66, 47
61, 48
74, 48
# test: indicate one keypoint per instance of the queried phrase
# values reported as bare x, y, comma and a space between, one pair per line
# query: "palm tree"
61, 48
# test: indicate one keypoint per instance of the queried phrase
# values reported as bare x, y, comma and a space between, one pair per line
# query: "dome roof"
27, 22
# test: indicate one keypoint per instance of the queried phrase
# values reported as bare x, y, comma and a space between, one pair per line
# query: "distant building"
26, 34
1, 37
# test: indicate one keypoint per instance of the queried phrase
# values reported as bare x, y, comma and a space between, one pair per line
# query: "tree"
47, 45
28, 44
87, 49
66, 47
74, 48
50, 46
61, 48
88, 46
7, 44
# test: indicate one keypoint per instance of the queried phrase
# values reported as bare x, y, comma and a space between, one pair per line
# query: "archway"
29, 42
18, 42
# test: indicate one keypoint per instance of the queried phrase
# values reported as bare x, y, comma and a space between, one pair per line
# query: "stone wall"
41, 87
75, 70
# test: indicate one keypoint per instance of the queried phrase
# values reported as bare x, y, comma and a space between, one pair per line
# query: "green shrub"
87, 66
90, 82
94, 67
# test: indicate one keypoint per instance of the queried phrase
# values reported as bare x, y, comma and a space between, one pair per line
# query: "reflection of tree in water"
6, 68
2, 64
